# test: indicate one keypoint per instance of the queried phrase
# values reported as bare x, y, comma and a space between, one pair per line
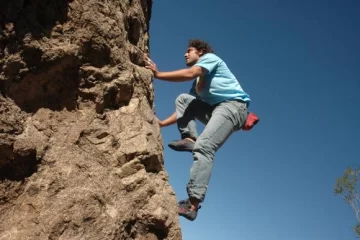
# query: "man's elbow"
194, 73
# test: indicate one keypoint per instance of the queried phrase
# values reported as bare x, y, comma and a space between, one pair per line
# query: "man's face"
192, 56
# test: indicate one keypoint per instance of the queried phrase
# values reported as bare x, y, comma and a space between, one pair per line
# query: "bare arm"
181, 75
168, 121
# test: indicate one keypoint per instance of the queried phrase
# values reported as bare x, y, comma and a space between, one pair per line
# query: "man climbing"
217, 100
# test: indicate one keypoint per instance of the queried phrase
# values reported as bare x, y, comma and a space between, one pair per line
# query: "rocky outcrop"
80, 149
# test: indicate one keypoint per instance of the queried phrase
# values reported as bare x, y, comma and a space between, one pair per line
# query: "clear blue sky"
300, 63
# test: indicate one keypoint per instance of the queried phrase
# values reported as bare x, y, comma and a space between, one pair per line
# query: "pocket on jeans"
239, 105
241, 111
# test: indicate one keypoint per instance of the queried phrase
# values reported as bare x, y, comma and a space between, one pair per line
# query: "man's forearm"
181, 75
168, 121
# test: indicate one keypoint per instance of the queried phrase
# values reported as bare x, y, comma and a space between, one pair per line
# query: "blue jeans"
221, 121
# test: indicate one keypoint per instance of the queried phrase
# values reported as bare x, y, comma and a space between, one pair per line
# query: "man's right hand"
168, 121
151, 65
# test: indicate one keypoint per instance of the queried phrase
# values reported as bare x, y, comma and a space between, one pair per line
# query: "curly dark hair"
200, 45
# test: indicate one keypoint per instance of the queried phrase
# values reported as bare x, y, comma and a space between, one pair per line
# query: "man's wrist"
157, 74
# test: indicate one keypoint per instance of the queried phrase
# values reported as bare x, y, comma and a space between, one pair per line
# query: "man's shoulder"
211, 56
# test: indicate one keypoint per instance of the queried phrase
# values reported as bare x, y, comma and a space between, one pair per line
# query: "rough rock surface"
80, 150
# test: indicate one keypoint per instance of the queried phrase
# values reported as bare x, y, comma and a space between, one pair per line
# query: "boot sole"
179, 149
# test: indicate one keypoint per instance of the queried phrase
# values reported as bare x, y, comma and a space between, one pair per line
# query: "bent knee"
183, 98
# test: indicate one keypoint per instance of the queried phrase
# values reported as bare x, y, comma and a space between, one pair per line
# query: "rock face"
80, 150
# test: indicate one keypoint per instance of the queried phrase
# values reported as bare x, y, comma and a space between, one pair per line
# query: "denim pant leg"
226, 118
188, 108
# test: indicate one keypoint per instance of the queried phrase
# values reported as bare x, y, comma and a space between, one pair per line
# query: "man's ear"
201, 52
